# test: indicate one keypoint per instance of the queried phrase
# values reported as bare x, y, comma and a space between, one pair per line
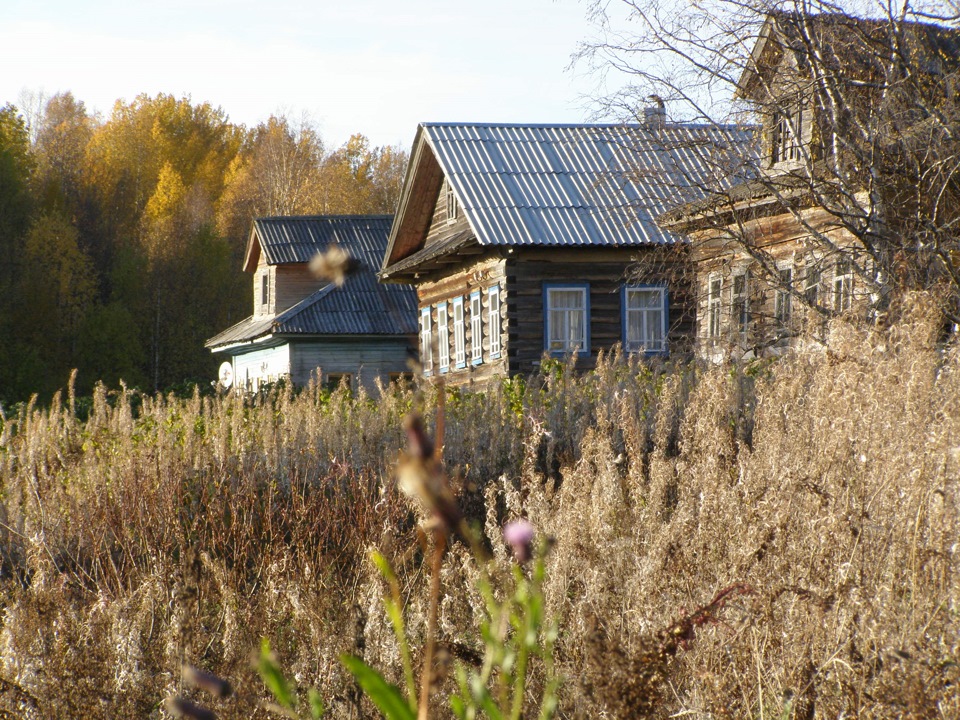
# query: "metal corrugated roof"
297, 238
361, 306
600, 185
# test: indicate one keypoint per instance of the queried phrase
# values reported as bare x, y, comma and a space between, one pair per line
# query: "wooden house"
523, 240
302, 326
816, 228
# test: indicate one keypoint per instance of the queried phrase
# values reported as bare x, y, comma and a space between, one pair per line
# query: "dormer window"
786, 133
265, 289
451, 202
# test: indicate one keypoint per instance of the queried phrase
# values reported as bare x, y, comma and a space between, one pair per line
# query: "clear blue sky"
371, 66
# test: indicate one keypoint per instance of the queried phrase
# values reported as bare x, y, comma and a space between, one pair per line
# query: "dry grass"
826, 483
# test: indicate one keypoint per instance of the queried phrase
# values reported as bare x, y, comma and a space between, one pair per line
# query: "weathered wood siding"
289, 284
440, 227
365, 359
785, 243
252, 369
263, 273
292, 284
606, 271
481, 275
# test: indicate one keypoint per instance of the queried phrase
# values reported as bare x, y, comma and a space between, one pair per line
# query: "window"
740, 302
645, 319
567, 317
783, 306
786, 133
714, 286
443, 336
401, 379
337, 380
265, 288
476, 328
493, 320
459, 341
426, 341
451, 198
812, 280
843, 285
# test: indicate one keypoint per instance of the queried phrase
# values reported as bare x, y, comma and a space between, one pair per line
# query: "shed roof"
562, 184
361, 306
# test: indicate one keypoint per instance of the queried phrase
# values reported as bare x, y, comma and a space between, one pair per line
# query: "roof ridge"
681, 125
369, 216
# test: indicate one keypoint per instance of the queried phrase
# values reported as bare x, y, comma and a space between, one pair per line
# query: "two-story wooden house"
530, 239
302, 325
828, 215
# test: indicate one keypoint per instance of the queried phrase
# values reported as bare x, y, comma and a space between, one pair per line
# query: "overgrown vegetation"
769, 542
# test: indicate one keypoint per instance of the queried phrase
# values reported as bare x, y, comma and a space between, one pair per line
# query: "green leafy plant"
287, 703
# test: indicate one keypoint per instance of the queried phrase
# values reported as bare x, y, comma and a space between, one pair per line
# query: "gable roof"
361, 306
853, 48
297, 238
555, 185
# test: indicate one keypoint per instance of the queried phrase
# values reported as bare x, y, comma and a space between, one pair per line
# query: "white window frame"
443, 337
812, 282
651, 316
493, 320
783, 299
459, 334
843, 284
554, 315
265, 290
714, 305
451, 202
787, 132
476, 328
426, 341
740, 302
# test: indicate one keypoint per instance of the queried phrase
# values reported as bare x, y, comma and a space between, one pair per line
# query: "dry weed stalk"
827, 481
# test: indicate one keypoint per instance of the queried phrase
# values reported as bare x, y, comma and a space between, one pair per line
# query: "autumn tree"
359, 178
854, 115
16, 166
158, 167
56, 290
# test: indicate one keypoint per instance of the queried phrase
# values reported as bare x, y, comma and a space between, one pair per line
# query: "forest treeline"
122, 237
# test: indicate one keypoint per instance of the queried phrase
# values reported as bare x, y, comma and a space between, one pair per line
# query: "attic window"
787, 132
265, 288
451, 198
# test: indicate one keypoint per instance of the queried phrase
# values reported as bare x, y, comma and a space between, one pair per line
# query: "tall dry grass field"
772, 541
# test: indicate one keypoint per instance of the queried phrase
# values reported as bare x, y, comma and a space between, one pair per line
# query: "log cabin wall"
788, 246
479, 276
607, 271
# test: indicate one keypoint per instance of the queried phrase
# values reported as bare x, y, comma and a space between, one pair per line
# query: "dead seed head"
333, 264
182, 708
206, 681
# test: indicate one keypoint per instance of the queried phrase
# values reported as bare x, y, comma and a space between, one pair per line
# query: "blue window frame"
566, 318
644, 316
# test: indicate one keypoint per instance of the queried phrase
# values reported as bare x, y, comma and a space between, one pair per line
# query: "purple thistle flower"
519, 536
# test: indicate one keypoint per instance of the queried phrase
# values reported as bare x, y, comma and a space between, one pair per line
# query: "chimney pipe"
655, 116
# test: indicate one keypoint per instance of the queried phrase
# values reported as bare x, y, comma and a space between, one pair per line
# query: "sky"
372, 66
